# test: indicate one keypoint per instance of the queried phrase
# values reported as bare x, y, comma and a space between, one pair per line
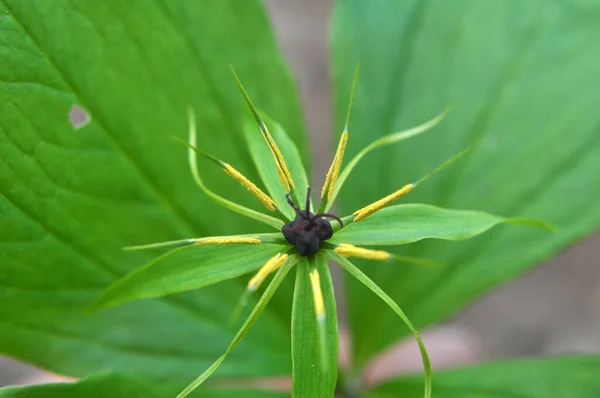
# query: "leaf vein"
164, 199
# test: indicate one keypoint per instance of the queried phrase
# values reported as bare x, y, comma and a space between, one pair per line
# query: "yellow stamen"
249, 185
366, 211
239, 177
284, 180
336, 165
270, 266
347, 250
284, 173
317, 294
227, 240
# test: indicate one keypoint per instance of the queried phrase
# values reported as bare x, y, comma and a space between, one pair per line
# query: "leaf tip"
534, 222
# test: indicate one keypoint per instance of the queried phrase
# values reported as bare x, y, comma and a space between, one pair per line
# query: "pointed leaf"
121, 386
402, 224
314, 351
263, 159
258, 309
70, 199
539, 378
188, 268
363, 279
522, 77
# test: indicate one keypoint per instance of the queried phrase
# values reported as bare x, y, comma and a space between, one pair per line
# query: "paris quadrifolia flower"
306, 236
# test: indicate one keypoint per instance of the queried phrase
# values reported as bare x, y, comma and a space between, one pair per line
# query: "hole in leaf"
78, 117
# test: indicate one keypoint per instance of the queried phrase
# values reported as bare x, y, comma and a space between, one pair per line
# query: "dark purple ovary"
308, 230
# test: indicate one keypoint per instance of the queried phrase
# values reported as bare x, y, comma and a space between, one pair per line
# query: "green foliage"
120, 386
360, 276
258, 309
522, 78
556, 377
70, 199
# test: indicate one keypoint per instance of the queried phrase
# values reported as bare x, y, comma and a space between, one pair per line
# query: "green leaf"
70, 199
314, 344
122, 386
265, 163
188, 268
258, 309
522, 79
402, 224
539, 378
364, 279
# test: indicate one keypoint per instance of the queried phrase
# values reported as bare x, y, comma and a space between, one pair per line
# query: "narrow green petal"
364, 279
381, 142
314, 339
258, 309
187, 268
402, 224
193, 163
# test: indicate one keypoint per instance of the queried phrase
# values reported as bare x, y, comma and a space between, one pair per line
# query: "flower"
306, 237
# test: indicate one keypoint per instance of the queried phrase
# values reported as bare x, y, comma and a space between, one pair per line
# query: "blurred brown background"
552, 310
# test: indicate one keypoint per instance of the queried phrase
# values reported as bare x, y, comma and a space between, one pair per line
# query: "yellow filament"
249, 185
347, 250
336, 165
317, 294
227, 240
366, 211
270, 266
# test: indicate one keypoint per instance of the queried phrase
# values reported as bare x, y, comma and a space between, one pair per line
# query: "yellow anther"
336, 165
270, 266
229, 240
366, 211
284, 181
284, 173
317, 294
249, 185
347, 250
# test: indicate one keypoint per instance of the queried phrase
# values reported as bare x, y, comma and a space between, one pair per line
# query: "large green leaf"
121, 386
70, 199
522, 77
314, 344
541, 378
